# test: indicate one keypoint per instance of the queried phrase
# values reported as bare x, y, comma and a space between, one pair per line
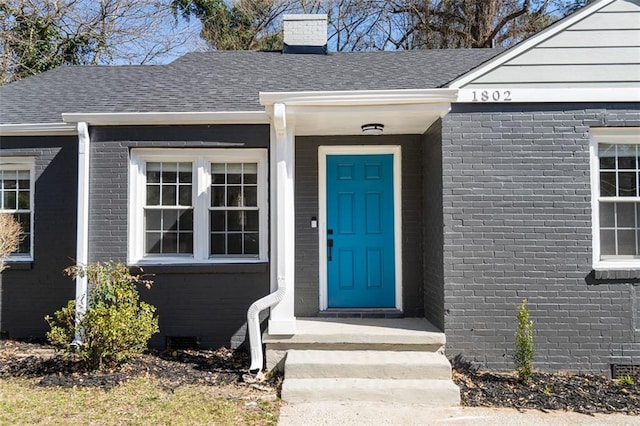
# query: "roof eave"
38, 129
168, 118
359, 97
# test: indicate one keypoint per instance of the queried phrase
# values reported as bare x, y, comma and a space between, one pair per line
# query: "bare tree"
38, 35
237, 25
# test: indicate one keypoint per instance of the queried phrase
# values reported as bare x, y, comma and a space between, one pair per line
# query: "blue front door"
360, 231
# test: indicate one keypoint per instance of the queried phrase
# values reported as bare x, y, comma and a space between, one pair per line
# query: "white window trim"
22, 163
610, 135
201, 159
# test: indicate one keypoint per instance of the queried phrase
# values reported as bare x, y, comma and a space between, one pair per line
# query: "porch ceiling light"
372, 129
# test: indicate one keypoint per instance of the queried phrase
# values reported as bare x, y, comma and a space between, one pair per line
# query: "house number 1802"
492, 95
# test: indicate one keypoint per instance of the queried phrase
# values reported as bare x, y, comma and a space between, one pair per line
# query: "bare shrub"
10, 237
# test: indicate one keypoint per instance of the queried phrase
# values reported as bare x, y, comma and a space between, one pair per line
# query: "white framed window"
615, 197
17, 184
198, 206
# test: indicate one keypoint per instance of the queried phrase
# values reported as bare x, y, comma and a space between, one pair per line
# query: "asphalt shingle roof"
225, 81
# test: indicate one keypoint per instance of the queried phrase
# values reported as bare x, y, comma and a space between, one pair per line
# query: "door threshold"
361, 313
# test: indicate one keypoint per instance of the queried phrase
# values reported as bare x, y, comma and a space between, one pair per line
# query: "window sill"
616, 274
19, 265
205, 268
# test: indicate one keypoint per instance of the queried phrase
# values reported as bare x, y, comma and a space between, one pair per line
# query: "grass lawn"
141, 400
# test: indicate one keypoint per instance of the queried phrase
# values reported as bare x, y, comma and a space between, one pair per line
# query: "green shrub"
116, 326
524, 344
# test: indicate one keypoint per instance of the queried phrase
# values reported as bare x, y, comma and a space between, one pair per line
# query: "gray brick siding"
432, 225
517, 224
207, 302
34, 291
306, 201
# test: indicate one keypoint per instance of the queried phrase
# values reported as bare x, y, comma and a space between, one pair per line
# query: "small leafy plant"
523, 357
625, 380
116, 325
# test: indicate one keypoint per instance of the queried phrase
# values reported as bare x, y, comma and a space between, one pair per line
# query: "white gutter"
359, 97
168, 118
82, 242
38, 129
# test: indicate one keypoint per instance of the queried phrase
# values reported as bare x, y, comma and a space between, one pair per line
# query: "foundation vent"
625, 370
181, 342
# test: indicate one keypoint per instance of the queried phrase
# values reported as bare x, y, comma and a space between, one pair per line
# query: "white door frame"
325, 150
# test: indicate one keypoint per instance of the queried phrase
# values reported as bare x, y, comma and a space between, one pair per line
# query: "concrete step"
366, 365
353, 334
435, 393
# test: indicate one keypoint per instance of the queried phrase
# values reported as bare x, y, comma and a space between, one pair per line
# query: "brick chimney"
305, 34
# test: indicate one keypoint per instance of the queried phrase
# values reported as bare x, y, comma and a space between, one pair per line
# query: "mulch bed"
582, 393
587, 394
171, 368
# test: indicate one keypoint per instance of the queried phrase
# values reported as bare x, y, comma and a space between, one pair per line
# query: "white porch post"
82, 242
282, 320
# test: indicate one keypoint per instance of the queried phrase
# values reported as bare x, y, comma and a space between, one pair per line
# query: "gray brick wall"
306, 199
207, 302
517, 224
39, 289
432, 226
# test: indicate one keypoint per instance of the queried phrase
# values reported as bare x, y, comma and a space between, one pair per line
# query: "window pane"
168, 195
170, 220
250, 196
153, 220
217, 196
234, 173
153, 195
218, 244
607, 215
626, 213
608, 184
23, 200
218, 173
626, 242
24, 219
185, 173
24, 246
607, 243
169, 172
251, 223
234, 220
185, 195
185, 245
9, 200
9, 183
186, 220
170, 242
234, 242
627, 184
152, 242
627, 162
250, 173
218, 221
153, 172
251, 244
234, 196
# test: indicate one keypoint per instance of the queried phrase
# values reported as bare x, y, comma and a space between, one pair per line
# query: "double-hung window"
16, 198
615, 182
198, 206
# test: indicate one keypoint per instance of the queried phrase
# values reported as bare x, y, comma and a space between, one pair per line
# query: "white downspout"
279, 173
82, 236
